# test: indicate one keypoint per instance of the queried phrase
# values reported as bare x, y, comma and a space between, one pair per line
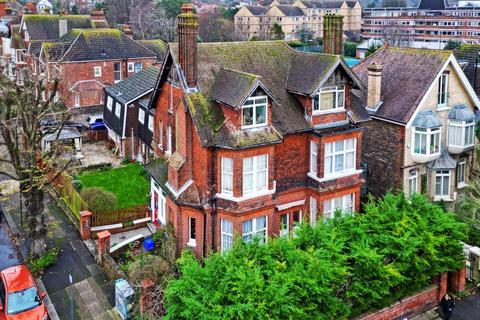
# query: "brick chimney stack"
374, 85
333, 34
187, 43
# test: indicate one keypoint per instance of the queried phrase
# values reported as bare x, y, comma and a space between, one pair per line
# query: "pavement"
466, 309
92, 292
8, 252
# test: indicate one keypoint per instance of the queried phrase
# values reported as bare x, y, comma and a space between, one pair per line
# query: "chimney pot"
187, 43
374, 89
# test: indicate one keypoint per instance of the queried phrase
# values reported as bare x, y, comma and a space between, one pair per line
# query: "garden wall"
412, 305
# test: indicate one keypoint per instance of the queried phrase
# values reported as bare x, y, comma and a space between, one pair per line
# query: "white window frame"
442, 97
443, 175
118, 109
313, 211
316, 100
413, 182
284, 226
295, 224
429, 133
192, 242
464, 128
227, 175
119, 72
160, 134
254, 106
255, 172
226, 235
313, 158
150, 123
169, 140
333, 155
109, 103
170, 99
141, 115
461, 173
254, 232
131, 67
331, 205
97, 71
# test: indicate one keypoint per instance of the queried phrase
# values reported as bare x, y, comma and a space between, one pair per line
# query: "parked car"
53, 124
98, 126
20, 298
96, 118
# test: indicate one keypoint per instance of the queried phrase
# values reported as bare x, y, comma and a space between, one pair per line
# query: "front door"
162, 206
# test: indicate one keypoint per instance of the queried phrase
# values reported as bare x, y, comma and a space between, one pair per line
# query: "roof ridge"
242, 72
141, 44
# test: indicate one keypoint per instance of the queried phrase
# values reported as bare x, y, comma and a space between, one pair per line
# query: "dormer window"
254, 112
329, 99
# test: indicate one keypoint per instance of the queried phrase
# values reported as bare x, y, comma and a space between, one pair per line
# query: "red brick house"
258, 137
421, 138
86, 60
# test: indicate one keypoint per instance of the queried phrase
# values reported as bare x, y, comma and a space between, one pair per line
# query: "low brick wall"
407, 307
111, 268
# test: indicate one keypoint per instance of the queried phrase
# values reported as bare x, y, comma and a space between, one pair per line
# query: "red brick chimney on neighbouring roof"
187, 43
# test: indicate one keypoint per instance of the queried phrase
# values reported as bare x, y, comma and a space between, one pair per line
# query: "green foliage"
296, 44
277, 32
127, 182
228, 12
126, 160
452, 44
336, 270
99, 200
372, 49
172, 8
37, 266
305, 34
350, 48
468, 211
147, 266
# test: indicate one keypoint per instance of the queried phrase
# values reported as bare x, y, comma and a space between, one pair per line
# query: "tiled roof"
461, 112
158, 46
158, 170
328, 4
46, 26
232, 87
95, 44
427, 119
134, 86
257, 10
291, 11
445, 161
407, 74
469, 53
276, 63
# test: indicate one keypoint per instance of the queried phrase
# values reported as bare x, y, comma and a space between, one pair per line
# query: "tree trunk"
37, 230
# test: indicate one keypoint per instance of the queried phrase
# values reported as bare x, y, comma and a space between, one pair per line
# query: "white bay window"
256, 227
254, 112
226, 234
461, 133
227, 175
313, 157
329, 99
426, 141
255, 174
339, 157
345, 203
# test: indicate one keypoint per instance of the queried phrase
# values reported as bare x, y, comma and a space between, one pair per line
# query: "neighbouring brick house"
258, 137
422, 134
87, 60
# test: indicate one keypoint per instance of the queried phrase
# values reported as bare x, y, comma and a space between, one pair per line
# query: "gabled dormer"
244, 99
322, 84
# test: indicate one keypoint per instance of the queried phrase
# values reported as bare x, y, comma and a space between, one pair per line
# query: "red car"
20, 298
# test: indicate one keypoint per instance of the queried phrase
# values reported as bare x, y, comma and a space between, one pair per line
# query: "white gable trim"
463, 80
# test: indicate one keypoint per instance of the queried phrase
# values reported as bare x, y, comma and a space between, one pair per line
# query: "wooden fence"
62, 183
120, 216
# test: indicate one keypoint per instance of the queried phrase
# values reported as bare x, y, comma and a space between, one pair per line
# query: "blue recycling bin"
148, 244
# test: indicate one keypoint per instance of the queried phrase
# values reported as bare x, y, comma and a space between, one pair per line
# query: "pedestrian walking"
448, 304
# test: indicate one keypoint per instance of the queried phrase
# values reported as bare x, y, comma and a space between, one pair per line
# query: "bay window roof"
445, 162
233, 87
461, 112
427, 119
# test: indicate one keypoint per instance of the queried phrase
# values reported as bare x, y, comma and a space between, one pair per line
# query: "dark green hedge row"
339, 269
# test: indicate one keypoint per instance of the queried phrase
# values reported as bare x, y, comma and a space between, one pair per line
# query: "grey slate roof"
134, 86
427, 119
157, 169
407, 74
468, 53
461, 112
291, 11
46, 26
65, 133
328, 4
95, 44
257, 10
445, 162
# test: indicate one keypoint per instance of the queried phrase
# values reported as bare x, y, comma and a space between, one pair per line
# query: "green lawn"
128, 183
